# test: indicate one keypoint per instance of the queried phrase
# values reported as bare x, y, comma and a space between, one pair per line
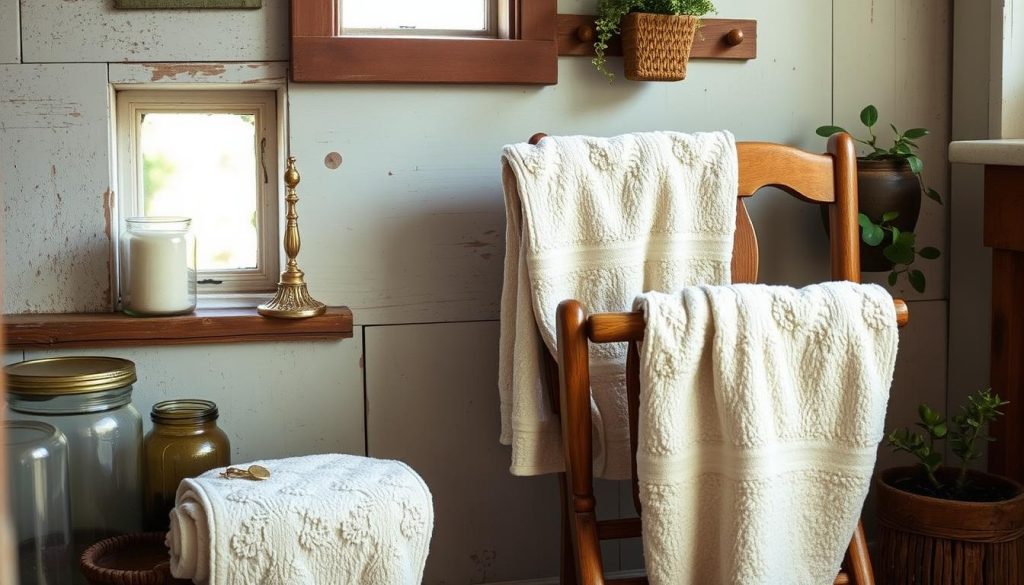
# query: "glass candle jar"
184, 442
158, 266
37, 466
89, 400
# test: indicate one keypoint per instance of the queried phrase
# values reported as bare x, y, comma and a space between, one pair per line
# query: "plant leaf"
899, 254
916, 133
933, 195
872, 235
864, 220
890, 215
915, 164
826, 131
929, 253
869, 116
917, 280
893, 277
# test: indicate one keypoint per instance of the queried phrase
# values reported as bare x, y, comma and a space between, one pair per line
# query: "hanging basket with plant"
656, 36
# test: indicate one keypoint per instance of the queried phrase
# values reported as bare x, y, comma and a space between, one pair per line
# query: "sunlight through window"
417, 17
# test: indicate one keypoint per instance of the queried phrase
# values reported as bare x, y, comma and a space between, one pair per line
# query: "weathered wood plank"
10, 32
204, 326
186, 4
199, 73
54, 134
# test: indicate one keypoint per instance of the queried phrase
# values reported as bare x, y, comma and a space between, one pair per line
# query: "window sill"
63, 330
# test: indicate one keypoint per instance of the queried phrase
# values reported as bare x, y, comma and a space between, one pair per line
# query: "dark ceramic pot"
883, 186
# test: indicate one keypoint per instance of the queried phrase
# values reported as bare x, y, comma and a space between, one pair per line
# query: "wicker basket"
656, 47
132, 559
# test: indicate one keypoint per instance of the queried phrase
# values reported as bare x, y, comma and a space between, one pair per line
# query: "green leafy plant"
965, 436
900, 246
610, 13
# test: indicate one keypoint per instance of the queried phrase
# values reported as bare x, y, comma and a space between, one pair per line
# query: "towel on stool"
761, 410
318, 520
601, 220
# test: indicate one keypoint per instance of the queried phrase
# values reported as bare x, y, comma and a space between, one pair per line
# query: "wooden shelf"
61, 330
575, 37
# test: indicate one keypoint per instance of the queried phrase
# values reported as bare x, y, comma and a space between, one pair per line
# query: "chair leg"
567, 564
858, 561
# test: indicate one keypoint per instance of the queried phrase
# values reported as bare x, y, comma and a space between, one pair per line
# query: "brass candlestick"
292, 300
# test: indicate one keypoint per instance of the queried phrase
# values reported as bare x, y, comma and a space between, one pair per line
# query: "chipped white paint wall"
10, 32
408, 230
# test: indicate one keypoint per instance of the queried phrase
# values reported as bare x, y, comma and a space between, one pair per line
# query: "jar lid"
184, 411
69, 375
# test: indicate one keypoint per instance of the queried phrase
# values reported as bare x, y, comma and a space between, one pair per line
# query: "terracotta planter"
656, 47
132, 559
929, 541
883, 186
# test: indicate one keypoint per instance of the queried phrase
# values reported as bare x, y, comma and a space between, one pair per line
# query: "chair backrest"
825, 179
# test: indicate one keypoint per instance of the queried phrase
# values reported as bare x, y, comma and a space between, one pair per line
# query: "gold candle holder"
292, 300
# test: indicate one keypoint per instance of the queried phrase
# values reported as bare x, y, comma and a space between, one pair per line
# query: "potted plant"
944, 525
656, 36
889, 196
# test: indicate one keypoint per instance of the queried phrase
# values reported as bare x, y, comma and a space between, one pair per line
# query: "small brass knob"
585, 33
734, 37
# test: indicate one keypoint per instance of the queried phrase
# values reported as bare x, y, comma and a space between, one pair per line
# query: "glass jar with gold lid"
89, 400
184, 442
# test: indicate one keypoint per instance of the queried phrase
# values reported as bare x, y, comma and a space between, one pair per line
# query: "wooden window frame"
526, 53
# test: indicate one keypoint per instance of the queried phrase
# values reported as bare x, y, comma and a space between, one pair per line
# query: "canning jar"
158, 266
89, 400
37, 469
184, 442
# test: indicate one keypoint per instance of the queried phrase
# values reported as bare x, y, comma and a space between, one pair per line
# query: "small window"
462, 18
210, 156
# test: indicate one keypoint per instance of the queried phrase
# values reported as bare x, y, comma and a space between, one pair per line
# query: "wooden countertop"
1004, 152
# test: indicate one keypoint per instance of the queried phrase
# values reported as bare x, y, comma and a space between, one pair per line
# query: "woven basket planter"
656, 47
929, 541
132, 559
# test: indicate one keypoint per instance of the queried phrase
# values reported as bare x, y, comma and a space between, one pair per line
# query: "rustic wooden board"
186, 4
58, 197
204, 326
55, 31
575, 37
275, 399
274, 73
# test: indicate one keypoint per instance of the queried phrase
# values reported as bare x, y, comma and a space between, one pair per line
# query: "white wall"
409, 230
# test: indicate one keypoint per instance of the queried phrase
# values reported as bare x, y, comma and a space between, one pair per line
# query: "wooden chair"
826, 179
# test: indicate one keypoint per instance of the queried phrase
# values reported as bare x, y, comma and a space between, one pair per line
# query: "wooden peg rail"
718, 38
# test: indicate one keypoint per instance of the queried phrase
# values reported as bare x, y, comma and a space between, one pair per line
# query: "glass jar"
37, 469
89, 400
184, 442
158, 266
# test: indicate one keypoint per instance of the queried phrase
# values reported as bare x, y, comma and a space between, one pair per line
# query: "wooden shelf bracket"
718, 38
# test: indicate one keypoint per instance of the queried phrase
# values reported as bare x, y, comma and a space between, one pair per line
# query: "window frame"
525, 53
490, 31
263, 104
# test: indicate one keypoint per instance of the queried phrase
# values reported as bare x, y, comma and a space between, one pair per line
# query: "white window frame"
490, 31
263, 105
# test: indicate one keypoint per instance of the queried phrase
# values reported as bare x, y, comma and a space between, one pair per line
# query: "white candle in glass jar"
160, 264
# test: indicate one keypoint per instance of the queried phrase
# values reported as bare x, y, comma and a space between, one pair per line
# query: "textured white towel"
761, 410
318, 520
601, 220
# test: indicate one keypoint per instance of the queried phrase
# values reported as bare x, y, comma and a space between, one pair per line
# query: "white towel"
761, 409
318, 520
601, 220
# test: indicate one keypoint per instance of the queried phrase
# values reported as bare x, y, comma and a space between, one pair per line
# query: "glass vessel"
89, 400
158, 266
184, 442
37, 466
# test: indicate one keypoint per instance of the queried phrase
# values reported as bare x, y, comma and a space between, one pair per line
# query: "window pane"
203, 166
469, 15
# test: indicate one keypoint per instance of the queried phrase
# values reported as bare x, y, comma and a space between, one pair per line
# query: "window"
519, 49
457, 18
210, 156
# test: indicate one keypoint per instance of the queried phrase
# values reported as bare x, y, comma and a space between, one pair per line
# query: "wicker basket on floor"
656, 47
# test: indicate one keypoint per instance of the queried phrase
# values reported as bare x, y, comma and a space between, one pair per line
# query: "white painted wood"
432, 402
57, 31
134, 74
11, 356
275, 399
896, 56
410, 228
988, 152
53, 145
10, 32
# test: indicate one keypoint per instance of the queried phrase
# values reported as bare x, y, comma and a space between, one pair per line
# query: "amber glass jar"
184, 442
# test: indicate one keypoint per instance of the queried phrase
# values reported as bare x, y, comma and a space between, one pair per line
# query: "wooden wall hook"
734, 37
586, 33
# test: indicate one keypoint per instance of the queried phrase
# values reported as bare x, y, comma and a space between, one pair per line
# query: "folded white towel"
318, 520
761, 410
601, 220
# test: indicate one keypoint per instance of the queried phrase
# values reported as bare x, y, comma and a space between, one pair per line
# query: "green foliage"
610, 13
901, 248
964, 435
155, 172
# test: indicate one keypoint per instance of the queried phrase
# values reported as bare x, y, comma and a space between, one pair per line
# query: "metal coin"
258, 472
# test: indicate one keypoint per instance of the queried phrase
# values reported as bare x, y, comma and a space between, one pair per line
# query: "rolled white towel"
318, 520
